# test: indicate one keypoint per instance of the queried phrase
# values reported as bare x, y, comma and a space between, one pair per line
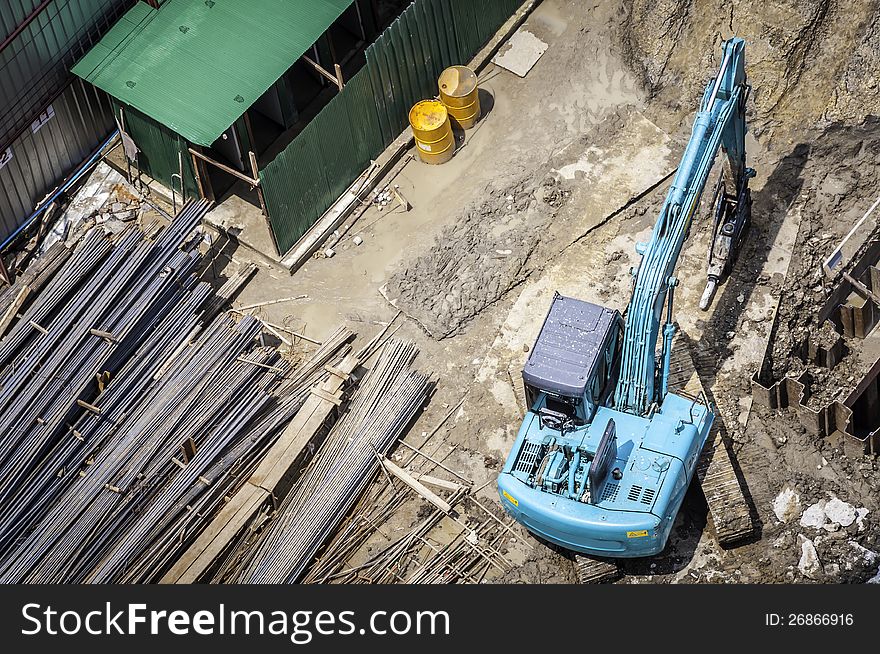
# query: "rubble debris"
809, 564
839, 512
787, 505
814, 516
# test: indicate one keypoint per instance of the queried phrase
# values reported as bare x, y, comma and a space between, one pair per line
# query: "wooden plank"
323, 71
39, 328
225, 168
324, 395
11, 312
102, 334
416, 485
861, 289
288, 452
231, 519
336, 371
439, 483
89, 407
195, 163
295, 440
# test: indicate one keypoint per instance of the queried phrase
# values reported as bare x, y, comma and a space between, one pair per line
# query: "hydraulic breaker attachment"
733, 215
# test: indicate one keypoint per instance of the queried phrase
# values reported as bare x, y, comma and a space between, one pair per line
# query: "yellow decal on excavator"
515, 503
637, 534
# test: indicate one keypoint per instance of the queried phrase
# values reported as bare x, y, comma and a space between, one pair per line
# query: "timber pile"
128, 413
386, 401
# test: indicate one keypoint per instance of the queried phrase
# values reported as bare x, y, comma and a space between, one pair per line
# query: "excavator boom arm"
719, 123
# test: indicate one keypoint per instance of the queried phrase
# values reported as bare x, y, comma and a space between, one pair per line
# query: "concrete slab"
245, 224
521, 53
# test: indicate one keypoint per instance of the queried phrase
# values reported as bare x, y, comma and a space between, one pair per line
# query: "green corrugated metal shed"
197, 65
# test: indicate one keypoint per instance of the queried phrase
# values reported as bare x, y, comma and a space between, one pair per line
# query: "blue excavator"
606, 452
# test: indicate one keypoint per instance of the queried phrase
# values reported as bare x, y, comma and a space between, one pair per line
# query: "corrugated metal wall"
35, 66
407, 58
81, 118
34, 74
159, 147
322, 161
372, 110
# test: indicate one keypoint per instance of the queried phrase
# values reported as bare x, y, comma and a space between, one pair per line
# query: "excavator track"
595, 571
730, 511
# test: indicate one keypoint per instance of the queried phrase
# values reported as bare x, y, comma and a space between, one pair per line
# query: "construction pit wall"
851, 311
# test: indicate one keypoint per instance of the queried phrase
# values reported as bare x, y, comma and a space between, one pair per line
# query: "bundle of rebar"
385, 403
128, 415
424, 553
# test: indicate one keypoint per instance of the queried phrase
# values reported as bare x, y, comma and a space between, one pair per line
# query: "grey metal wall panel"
35, 66
41, 159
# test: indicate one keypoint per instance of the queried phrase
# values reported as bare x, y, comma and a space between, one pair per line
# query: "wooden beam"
255, 171
225, 168
861, 289
4, 274
439, 483
212, 542
270, 479
89, 407
198, 175
13, 309
323, 71
102, 334
416, 485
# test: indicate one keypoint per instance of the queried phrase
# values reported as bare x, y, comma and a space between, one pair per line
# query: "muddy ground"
551, 191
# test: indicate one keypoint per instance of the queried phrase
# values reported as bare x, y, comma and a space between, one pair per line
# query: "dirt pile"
810, 62
481, 256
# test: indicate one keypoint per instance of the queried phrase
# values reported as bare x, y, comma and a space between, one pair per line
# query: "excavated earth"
814, 67
815, 70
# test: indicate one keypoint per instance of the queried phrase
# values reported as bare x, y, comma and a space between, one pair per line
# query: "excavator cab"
569, 373
606, 475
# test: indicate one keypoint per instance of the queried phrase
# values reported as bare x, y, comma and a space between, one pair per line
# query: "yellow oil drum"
460, 94
433, 131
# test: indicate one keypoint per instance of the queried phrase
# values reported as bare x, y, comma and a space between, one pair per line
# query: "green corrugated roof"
197, 65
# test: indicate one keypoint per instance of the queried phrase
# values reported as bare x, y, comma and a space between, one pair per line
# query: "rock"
114, 226
861, 514
809, 565
838, 511
781, 540
869, 556
787, 505
814, 516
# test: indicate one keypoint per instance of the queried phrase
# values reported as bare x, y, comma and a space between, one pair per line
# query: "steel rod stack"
127, 414
385, 403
